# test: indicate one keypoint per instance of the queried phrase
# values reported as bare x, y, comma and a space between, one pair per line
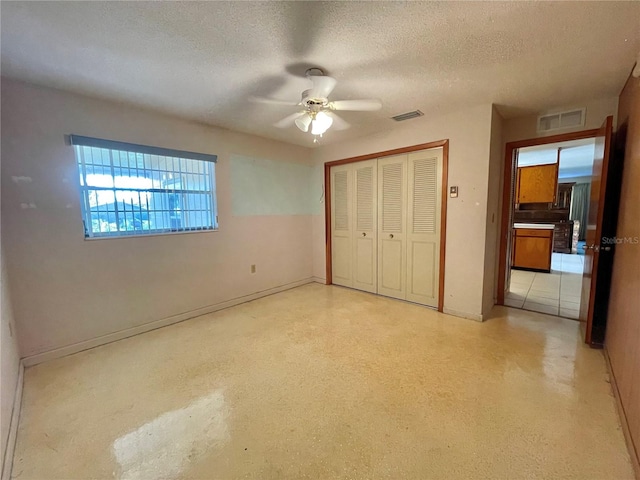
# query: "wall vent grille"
407, 116
561, 120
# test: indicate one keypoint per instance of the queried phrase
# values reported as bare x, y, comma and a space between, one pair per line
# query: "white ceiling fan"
317, 114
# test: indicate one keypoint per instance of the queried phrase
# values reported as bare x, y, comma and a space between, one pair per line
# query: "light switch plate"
453, 192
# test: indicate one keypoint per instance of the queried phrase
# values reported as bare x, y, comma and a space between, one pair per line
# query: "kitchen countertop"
534, 226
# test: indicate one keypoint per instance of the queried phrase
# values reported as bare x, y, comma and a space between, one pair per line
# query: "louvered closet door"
341, 225
392, 195
423, 226
365, 247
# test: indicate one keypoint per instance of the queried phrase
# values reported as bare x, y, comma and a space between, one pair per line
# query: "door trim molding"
505, 218
388, 153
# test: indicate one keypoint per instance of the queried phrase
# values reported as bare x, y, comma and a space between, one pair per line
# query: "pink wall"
10, 362
66, 289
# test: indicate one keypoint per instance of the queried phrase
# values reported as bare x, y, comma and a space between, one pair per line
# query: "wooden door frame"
444, 144
509, 164
607, 126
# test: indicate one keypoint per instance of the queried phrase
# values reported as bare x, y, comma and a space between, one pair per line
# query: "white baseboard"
456, 313
129, 332
321, 280
7, 464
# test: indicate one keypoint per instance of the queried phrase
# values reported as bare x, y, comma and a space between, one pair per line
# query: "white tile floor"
555, 293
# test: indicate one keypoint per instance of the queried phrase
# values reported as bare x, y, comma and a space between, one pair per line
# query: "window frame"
209, 162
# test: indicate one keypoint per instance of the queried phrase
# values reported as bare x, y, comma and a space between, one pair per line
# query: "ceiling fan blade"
322, 86
272, 101
368, 105
338, 122
289, 120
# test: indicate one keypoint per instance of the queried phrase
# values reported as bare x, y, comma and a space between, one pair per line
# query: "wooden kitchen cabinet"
532, 249
537, 184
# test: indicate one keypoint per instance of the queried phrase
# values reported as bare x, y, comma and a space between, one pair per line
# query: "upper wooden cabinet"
537, 184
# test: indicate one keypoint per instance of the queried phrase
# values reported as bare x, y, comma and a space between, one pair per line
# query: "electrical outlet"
253, 269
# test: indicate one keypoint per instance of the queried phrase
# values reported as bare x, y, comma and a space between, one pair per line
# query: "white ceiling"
576, 157
202, 60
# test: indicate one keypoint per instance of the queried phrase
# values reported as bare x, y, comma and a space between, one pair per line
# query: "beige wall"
469, 134
10, 361
623, 321
523, 128
66, 289
494, 200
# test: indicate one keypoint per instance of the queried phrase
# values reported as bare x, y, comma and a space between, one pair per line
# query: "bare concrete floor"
326, 382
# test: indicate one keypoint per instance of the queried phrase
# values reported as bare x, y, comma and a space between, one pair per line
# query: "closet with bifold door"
385, 225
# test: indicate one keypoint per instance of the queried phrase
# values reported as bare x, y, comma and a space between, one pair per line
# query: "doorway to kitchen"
537, 237
541, 260
550, 205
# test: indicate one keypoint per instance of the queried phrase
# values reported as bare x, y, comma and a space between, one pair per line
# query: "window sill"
143, 235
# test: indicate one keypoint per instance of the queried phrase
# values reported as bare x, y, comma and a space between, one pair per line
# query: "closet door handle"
391, 235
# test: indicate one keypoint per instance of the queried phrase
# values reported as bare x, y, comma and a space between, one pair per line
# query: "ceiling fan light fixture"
303, 122
317, 113
321, 123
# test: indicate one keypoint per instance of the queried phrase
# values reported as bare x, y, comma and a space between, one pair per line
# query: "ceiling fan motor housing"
317, 112
313, 104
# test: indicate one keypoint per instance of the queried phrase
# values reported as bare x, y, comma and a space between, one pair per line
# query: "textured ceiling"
202, 60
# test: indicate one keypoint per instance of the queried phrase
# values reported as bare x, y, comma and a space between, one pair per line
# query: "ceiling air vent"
561, 120
407, 116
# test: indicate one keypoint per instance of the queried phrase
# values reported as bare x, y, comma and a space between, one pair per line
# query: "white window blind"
128, 189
